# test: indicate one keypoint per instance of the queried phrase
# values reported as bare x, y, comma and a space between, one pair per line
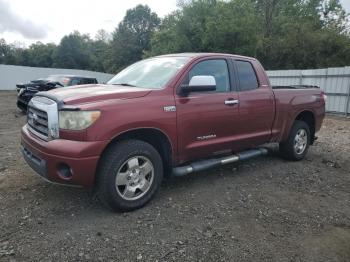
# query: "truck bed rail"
295, 87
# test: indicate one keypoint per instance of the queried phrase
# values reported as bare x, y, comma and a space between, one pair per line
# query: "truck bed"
292, 100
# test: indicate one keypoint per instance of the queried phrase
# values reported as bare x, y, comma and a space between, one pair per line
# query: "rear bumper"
62, 161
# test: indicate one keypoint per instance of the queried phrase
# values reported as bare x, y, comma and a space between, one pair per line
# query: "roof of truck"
197, 55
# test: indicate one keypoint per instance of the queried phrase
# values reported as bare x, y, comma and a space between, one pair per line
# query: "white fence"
11, 75
335, 82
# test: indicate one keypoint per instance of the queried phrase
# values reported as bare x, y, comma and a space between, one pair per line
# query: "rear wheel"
297, 144
129, 175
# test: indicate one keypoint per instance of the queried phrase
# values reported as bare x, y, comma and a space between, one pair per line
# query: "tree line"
282, 34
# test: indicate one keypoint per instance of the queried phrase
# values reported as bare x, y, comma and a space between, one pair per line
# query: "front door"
206, 121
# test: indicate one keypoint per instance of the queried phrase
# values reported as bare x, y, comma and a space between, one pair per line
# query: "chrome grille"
42, 117
37, 120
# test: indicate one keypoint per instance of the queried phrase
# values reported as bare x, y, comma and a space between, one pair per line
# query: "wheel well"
154, 137
309, 118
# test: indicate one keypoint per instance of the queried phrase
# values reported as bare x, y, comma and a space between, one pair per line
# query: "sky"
28, 21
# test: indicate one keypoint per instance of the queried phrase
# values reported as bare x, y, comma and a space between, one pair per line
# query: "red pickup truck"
172, 114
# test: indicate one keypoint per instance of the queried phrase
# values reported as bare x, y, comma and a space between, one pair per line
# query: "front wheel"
129, 175
297, 144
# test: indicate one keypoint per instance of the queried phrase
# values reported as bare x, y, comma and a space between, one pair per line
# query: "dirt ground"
266, 209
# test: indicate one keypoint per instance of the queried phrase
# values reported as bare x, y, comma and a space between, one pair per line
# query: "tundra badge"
169, 108
200, 138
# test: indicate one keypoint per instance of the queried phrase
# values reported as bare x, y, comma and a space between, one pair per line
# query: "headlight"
77, 120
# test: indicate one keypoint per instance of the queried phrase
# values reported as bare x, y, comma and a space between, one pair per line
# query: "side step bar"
215, 162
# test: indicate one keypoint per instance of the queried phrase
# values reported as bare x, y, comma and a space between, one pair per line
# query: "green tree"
295, 32
132, 37
208, 26
227, 32
333, 15
39, 55
282, 34
99, 48
4, 50
74, 52
103, 35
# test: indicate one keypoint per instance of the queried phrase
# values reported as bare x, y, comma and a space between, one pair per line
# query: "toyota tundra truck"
167, 115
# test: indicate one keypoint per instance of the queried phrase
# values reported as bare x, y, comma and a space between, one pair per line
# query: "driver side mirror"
199, 83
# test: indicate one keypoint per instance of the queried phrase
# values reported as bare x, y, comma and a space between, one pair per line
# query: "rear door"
256, 104
206, 121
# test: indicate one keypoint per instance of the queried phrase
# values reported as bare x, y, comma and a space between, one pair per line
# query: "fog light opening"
65, 171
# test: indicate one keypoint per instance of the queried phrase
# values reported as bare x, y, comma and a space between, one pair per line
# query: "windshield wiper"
125, 84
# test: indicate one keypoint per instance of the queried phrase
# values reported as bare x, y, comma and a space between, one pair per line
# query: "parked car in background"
27, 91
172, 114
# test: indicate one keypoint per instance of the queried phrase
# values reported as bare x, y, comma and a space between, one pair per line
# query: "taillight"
324, 96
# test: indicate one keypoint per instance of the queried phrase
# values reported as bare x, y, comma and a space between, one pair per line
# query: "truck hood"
93, 93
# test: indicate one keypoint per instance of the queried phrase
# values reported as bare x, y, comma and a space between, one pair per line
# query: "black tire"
287, 148
113, 160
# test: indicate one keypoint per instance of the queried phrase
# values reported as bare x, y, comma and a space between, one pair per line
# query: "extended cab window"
216, 68
246, 75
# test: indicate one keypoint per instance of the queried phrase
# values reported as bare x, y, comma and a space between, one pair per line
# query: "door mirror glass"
199, 83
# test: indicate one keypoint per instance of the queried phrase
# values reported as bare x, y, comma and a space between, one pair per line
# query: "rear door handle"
231, 102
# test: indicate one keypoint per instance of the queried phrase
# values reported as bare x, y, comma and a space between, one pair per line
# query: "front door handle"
231, 102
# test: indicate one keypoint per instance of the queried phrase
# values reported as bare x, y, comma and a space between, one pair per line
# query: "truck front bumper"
62, 161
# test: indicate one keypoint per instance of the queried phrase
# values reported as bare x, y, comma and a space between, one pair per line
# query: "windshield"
150, 73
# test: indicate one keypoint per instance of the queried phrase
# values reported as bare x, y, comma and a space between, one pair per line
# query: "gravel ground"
266, 209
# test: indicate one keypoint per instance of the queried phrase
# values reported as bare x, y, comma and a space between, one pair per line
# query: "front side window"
152, 73
246, 75
216, 68
75, 82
